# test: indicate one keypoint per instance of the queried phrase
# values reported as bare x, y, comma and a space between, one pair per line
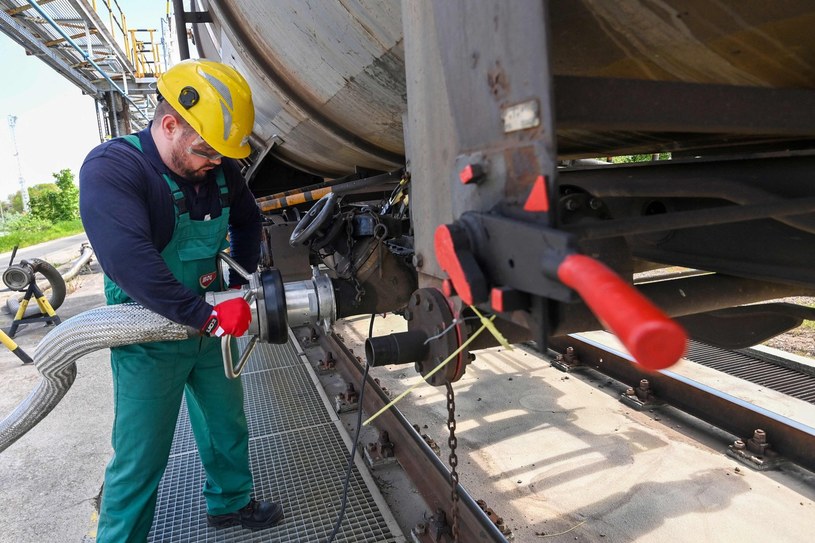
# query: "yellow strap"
430, 374
491, 327
486, 324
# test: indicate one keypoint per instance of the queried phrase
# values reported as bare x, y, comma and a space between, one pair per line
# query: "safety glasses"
200, 148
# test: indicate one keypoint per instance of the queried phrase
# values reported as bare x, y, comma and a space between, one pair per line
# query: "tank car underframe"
739, 205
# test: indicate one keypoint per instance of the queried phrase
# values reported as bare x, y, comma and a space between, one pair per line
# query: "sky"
56, 124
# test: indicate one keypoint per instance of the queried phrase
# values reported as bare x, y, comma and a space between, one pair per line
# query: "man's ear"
170, 127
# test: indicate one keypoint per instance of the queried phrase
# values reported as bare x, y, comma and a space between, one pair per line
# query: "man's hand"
230, 317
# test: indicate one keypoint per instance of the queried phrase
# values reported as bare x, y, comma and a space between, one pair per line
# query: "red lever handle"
654, 340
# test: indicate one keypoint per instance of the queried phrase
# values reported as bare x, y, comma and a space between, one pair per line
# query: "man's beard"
179, 166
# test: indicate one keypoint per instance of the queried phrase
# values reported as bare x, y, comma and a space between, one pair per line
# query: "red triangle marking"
538, 199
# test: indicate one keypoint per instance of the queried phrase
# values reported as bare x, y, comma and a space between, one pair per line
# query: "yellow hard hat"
215, 99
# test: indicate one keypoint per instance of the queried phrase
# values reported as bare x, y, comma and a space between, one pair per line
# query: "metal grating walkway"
754, 369
297, 455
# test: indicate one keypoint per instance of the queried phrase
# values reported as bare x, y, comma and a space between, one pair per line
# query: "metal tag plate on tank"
521, 116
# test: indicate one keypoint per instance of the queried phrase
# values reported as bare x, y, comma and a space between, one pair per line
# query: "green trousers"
148, 383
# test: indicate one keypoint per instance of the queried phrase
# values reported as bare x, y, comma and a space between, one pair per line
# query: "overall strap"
179, 200
220, 178
133, 140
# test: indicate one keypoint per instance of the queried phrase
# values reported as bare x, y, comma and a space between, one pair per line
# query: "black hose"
354, 447
54, 279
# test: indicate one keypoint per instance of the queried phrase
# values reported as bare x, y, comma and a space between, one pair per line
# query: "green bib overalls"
148, 382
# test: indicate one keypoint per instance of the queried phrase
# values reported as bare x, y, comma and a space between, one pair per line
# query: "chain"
453, 442
359, 292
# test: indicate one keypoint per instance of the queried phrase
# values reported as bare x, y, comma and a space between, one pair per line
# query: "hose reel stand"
22, 277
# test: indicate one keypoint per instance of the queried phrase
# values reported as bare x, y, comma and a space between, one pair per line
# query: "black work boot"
257, 515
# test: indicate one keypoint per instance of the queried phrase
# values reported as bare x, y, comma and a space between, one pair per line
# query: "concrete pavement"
50, 478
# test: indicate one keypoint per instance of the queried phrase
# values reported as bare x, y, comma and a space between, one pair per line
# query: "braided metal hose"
56, 355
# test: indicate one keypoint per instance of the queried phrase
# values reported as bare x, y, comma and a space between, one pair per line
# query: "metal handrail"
86, 56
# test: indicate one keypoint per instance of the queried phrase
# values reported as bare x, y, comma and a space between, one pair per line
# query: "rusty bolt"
760, 437
350, 395
630, 392
570, 357
644, 384
738, 445
329, 362
385, 446
438, 525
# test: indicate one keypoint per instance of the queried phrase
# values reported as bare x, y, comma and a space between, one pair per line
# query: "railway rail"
764, 438
424, 468
791, 439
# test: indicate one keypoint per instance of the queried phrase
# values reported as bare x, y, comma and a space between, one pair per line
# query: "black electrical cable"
354, 446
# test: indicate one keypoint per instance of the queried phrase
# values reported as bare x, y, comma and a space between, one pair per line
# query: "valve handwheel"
312, 221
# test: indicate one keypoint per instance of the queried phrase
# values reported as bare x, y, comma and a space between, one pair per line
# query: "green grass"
32, 234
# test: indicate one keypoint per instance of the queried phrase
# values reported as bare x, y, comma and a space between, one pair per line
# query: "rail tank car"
485, 147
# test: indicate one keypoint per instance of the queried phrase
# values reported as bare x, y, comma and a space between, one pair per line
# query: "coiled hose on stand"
56, 282
56, 355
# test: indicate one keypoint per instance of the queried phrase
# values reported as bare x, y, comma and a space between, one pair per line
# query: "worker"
157, 207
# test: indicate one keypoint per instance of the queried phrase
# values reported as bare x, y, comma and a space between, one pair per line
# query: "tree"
16, 200
58, 201
68, 198
626, 159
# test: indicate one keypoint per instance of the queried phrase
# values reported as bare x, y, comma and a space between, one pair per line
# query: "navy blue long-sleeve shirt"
128, 213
